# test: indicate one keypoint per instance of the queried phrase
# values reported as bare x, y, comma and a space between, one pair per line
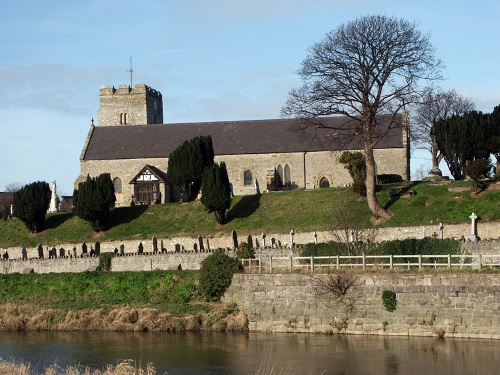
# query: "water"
253, 353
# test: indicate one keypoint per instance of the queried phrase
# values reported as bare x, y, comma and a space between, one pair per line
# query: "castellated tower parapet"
140, 105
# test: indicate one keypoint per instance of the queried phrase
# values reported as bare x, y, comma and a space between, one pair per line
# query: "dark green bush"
105, 261
245, 251
216, 273
389, 300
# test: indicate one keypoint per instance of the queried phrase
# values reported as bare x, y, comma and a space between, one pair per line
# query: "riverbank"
127, 367
218, 317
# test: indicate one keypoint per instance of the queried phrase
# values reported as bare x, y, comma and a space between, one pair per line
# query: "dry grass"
127, 367
123, 318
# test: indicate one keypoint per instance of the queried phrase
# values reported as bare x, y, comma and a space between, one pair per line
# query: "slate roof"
232, 138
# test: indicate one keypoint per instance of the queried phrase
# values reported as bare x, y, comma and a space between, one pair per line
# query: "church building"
131, 143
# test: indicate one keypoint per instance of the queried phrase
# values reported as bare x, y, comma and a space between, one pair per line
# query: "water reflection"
225, 354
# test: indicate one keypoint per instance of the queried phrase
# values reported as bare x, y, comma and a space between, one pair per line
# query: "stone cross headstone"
315, 235
473, 233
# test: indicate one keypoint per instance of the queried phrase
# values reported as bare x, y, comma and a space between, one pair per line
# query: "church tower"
140, 105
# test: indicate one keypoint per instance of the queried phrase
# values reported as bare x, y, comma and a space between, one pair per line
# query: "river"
256, 353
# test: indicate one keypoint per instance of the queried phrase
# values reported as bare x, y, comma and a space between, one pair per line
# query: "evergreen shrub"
216, 274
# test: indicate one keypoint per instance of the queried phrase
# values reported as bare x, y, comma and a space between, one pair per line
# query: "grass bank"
277, 212
115, 301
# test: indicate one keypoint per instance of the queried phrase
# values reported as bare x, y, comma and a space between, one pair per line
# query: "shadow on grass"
124, 215
55, 220
396, 192
244, 208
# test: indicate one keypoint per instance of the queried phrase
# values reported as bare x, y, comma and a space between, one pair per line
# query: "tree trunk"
371, 184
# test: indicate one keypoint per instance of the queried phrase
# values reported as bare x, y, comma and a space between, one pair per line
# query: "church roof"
236, 137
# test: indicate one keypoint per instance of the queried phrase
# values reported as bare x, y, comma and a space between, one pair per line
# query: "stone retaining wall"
486, 231
462, 305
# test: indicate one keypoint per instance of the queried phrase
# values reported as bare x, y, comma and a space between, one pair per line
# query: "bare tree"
348, 230
365, 68
436, 104
13, 187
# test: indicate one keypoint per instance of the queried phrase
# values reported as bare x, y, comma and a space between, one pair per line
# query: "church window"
279, 176
123, 118
117, 184
248, 178
324, 183
287, 180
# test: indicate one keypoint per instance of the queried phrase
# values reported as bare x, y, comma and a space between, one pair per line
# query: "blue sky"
212, 60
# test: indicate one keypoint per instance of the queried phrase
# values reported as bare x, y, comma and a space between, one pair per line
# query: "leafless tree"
13, 187
348, 230
363, 69
436, 104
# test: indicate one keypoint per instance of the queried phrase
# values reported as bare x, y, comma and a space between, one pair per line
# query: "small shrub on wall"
389, 300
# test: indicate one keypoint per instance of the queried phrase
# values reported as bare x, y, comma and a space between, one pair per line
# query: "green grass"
87, 290
278, 212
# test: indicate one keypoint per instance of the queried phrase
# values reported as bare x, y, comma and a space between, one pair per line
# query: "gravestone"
140, 248
177, 248
40, 251
250, 241
62, 252
53, 197
155, 245
234, 236
473, 229
24, 254
263, 236
200, 243
84, 248
122, 249
163, 249
97, 248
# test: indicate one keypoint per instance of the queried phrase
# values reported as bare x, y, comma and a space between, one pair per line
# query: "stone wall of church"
306, 169
141, 105
124, 169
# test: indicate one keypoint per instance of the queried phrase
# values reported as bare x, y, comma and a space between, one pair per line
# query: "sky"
212, 60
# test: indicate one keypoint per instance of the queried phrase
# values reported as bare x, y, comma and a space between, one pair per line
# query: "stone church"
131, 143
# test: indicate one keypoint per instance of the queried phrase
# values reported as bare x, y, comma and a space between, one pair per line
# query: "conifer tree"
216, 191
187, 163
355, 163
31, 203
94, 199
462, 139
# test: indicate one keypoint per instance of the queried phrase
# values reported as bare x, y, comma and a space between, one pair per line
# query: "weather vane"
130, 71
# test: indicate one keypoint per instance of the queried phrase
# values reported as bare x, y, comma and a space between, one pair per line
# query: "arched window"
117, 184
324, 183
248, 178
279, 175
287, 180
123, 118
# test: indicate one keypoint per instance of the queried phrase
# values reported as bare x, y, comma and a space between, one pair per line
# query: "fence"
312, 264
